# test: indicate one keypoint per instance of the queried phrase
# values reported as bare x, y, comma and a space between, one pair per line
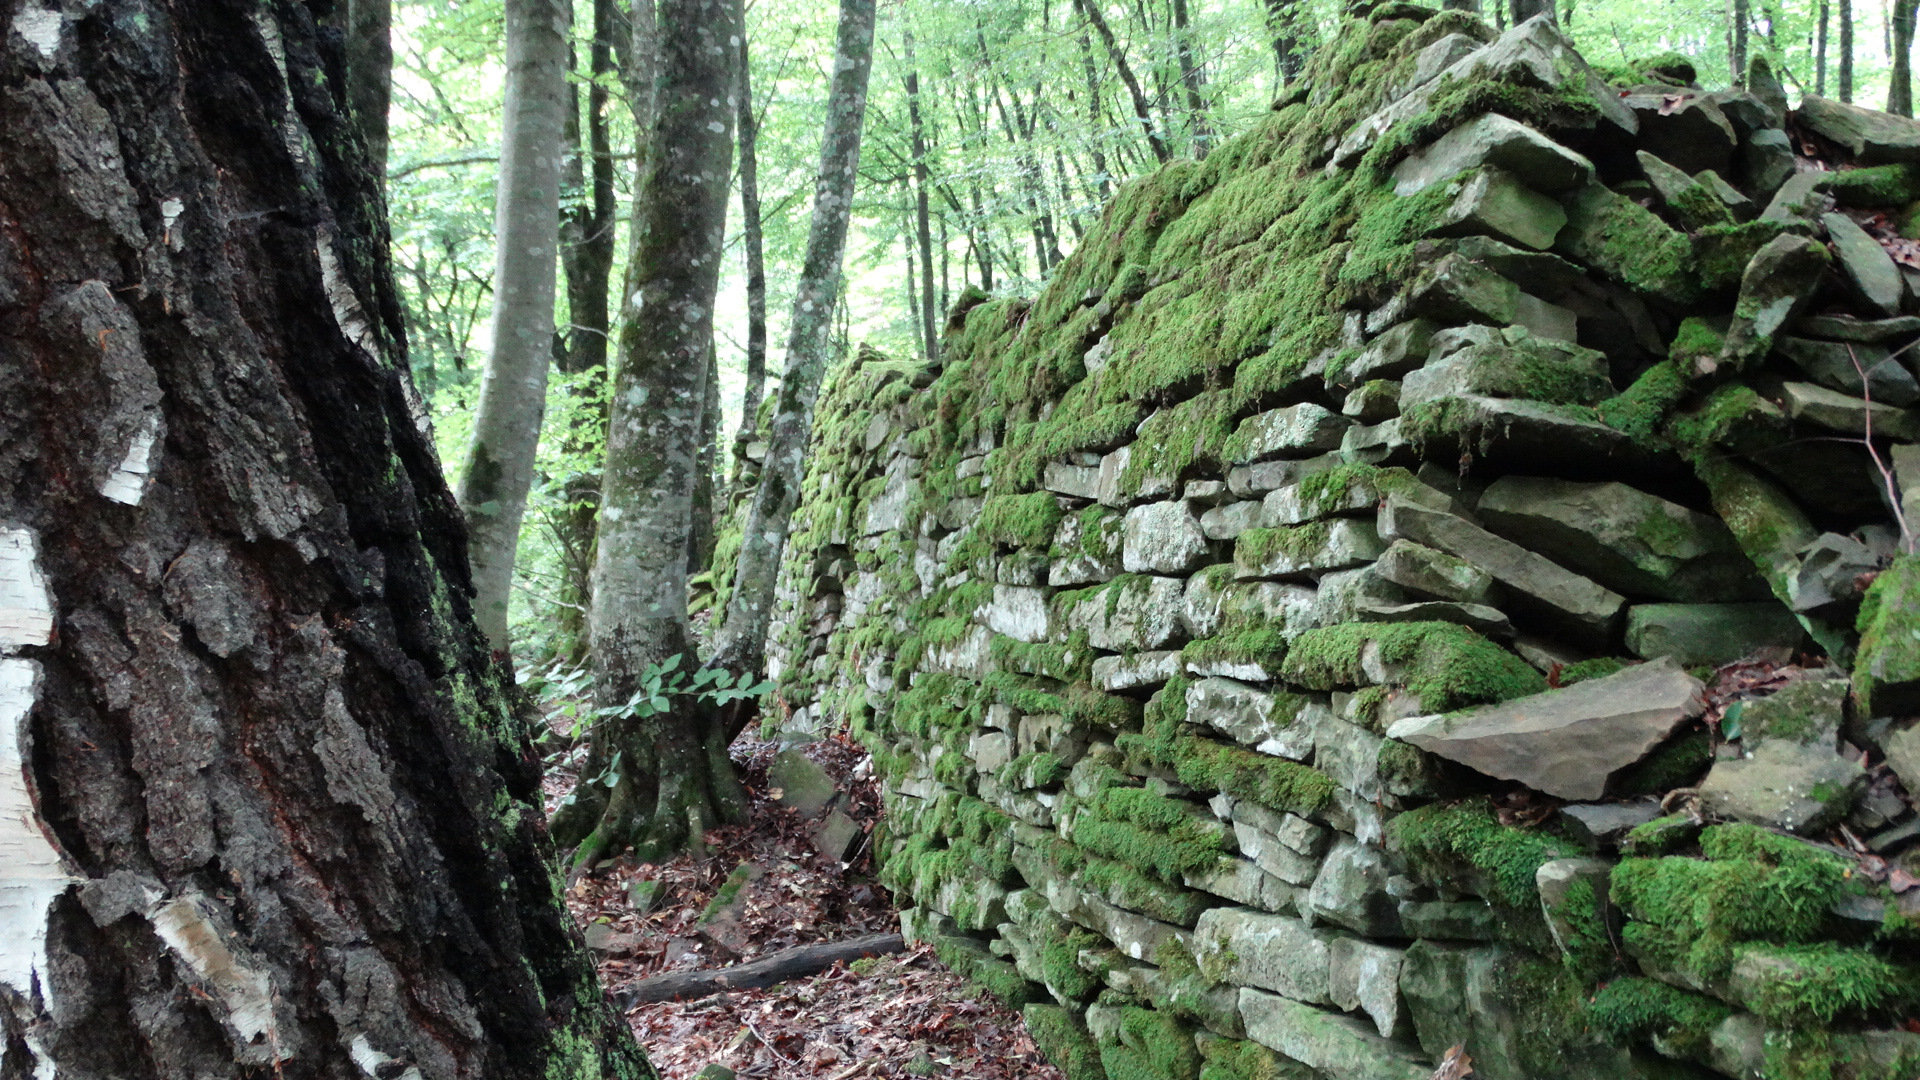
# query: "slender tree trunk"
1522, 10
265, 804
1820, 54
369, 34
1194, 78
1097, 144
945, 304
1461, 5
1090, 9
1900, 83
1846, 51
742, 641
1737, 16
754, 245
701, 537
672, 779
586, 254
912, 275
923, 230
506, 426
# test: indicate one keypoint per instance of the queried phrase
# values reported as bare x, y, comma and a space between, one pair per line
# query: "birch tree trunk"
741, 643
671, 775
513, 390
265, 809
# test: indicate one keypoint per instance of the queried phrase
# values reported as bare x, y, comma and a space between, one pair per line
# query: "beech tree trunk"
1820, 53
369, 34
1194, 79
922, 219
265, 809
1522, 10
1845, 74
513, 390
741, 643
751, 240
1090, 9
671, 776
1900, 82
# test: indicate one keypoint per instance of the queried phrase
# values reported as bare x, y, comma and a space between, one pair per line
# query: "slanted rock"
1079, 481
1492, 202
1268, 723
1808, 710
1622, 537
800, 783
1135, 671
1398, 350
1566, 911
1458, 289
1628, 243
1336, 1046
1775, 287
1867, 265
1684, 127
1365, 976
1828, 582
1489, 622
1296, 431
1580, 607
1886, 671
1835, 411
1163, 538
1872, 136
1351, 891
1520, 434
1783, 785
1863, 331
1530, 157
1601, 826
1435, 574
1567, 742
1763, 162
1837, 365
1693, 634
1518, 365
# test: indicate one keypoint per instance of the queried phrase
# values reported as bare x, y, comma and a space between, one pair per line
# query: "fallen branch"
797, 962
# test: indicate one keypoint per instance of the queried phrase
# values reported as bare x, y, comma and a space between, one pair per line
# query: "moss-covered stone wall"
1417, 578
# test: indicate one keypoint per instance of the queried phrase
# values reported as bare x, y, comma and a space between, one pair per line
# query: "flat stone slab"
1783, 785
1135, 671
1339, 1047
801, 783
1874, 137
1564, 742
1709, 633
1268, 723
1162, 538
1835, 411
1837, 365
1254, 948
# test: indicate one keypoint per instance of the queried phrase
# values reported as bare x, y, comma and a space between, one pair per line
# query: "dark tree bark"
700, 538
1738, 16
741, 643
1102, 177
1820, 54
266, 808
1090, 10
752, 242
1522, 10
673, 779
498, 470
923, 225
369, 34
1900, 81
1194, 79
1845, 74
586, 255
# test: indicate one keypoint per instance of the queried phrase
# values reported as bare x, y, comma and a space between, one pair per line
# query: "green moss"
1283, 785
1889, 625
1153, 1046
1641, 409
1124, 886
1597, 668
1264, 644
1721, 252
1661, 836
1639, 1009
1027, 521
1061, 1036
1243, 1059
1060, 962
1877, 187
1676, 763
1443, 840
1629, 243
1809, 985
1448, 666
1285, 549
994, 976
1142, 829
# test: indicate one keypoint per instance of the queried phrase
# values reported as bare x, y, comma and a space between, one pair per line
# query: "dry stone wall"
1286, 641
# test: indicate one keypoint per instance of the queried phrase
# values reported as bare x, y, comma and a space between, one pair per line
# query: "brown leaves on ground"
891, 1014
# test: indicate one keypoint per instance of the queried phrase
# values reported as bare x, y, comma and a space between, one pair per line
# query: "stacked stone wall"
1285, 641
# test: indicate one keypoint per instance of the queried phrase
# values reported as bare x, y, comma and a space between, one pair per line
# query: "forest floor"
894, 1016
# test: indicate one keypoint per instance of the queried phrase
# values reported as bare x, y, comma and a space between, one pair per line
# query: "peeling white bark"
246, 993
346, 306
41, 28
370, 1060
128, 483
26, 614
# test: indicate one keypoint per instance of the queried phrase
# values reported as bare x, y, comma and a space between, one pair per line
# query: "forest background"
1030, 115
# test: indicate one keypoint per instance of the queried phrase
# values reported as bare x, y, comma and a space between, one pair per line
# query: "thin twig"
1886, 471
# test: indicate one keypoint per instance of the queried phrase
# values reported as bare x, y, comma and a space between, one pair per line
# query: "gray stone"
1872, 136
800, 783
1372, 402
990, 750
1868, 266
1713, 634
1548, 321
1458, 289
1295, 832
1630, 244
1764, 162
1695, 205
1775, 288
1567, 742
1621, 537
1019, 612
1340, 595
1079, 481
1905, 462
1520, 434
1273, 856
1117, 490
1269, 723
1205, 492
1742, 208
1229, 521
1395, 352
1253, 481
1861, 331
1441, 55
1580, 607
1493, 139
1456, 920
1351, 891
1296, 504
1134, 935
1827, 583
1163, 538
1602, 825
1684, 127
1136, 670
1142, 614
1837, 365
1254, 948
1492, 202
887, 512
1295, 431
1336, 1046
1835, 411
1802, 198
1555, 880
837, 835
1339, 544
1489, 622
1435, 574
1903, 756
1376, 444
1211, 604
1511, 367
1092, 548
643, 894
1783, 785
1483, 998
1243, 882
1807, 710
1366, 977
